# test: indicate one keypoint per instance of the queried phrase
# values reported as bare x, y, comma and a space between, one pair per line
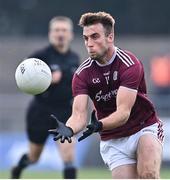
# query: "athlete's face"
60, 34
96, 41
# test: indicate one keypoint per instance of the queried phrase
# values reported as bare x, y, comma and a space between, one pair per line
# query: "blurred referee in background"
56, 100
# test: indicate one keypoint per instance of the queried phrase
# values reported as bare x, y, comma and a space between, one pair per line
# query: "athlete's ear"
110, 37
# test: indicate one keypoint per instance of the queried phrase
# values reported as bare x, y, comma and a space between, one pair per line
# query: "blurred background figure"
160, 76
56, 100
141, 27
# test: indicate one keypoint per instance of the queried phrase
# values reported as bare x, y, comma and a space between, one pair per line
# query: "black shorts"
38, 120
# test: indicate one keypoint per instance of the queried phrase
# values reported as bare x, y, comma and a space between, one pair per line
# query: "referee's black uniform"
57, 99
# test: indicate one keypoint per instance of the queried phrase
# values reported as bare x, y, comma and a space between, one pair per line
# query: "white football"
33, 76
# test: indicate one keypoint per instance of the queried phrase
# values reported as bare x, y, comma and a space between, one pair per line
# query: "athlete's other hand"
61, 132
94, 126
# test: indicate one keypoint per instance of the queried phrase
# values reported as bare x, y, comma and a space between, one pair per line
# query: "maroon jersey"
101, 83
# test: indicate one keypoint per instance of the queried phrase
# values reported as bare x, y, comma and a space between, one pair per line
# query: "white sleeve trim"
130, 89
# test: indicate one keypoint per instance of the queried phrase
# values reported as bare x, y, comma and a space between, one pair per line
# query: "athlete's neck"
105, 59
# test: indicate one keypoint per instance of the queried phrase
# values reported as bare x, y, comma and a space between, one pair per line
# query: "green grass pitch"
92, 173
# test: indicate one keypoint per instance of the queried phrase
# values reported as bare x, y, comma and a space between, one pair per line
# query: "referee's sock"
70, 171
17, 170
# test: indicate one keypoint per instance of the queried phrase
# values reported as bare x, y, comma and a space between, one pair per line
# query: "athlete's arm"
125, 100
76, 122
78, 119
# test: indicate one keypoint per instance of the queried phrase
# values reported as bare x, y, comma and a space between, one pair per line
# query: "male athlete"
131, 133
56, 100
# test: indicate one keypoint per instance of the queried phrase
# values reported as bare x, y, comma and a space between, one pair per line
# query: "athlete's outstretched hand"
94, 126
61, 132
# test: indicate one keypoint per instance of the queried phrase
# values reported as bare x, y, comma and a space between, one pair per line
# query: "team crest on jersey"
106, 75
107, 79
115, 74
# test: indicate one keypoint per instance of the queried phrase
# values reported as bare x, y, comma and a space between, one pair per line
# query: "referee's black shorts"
38, 120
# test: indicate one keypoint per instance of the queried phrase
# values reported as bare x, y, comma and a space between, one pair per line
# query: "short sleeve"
132, 76
79, 85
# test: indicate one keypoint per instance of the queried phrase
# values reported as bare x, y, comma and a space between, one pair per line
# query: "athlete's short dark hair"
104, 18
